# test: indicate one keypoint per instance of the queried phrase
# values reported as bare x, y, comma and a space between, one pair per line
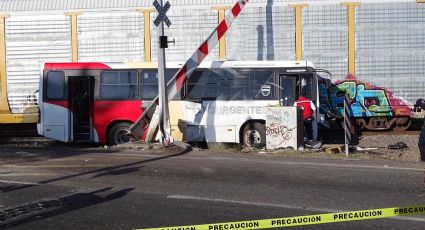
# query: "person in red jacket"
309, 114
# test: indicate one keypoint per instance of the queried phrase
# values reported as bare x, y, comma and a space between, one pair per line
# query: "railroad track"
21, 139
391, 132
30, 136
17, 139
20, 133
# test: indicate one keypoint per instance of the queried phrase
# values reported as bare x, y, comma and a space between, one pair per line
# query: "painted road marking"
27, 174
18, 182
56, 166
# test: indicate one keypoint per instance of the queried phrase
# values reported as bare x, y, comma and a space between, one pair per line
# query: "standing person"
309, 114
419, 105
421, 143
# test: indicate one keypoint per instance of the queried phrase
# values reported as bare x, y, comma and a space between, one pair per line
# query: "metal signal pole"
164, 118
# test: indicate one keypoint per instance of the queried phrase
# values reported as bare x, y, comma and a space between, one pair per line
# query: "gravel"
382, 141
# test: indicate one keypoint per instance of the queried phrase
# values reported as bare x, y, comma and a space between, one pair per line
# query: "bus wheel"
254, 135
119, 134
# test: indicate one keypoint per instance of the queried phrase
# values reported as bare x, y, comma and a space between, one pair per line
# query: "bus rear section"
225, 103
88, 102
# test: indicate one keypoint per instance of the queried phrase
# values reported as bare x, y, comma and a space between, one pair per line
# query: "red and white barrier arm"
176, 83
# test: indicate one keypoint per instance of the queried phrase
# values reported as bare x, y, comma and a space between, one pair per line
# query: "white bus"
224, 101
221, 102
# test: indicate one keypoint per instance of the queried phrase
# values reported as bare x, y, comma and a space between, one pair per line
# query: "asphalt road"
90, 188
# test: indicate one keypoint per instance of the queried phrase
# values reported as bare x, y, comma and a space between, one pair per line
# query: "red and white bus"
97, 102
90, 102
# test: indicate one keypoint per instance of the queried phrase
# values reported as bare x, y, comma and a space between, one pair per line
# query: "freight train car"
371, 107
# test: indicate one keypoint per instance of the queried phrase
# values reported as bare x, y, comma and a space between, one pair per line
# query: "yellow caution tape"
305, 220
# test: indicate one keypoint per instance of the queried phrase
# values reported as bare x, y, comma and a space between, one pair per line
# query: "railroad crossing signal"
176, 83
161, 13
163, 111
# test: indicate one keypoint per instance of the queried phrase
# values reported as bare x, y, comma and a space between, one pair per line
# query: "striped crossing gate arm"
176, 83
347, 122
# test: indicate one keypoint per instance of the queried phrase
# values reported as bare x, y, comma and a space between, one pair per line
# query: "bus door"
81, 104
288, 89
54, 109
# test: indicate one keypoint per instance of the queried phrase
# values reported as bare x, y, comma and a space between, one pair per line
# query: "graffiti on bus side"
366, 100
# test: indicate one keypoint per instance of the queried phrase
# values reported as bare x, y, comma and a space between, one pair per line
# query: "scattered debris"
248, 150
283, 148
398, 146
360, 149
262, 153
333, 149
382, 141
158, 147
197, 149
313, 145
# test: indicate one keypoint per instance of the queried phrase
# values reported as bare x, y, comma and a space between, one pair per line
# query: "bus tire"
254, 135
119, 133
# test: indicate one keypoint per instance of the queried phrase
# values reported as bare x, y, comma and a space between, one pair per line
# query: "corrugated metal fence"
390, 47
31, 40
112, 37
390, 39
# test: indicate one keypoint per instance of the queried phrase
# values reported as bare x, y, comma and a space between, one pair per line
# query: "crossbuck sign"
161, 13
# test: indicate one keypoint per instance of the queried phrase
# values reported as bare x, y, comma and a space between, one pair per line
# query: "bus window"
200, 86
118, 85
211, 85
149, 83
226, 81
248, 85
55, 85
261, 85
241, 85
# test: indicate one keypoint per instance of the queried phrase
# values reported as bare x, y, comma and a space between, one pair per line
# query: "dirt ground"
381, 143
373, 146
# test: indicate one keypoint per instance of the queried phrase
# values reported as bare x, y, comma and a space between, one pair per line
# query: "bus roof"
150, 65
